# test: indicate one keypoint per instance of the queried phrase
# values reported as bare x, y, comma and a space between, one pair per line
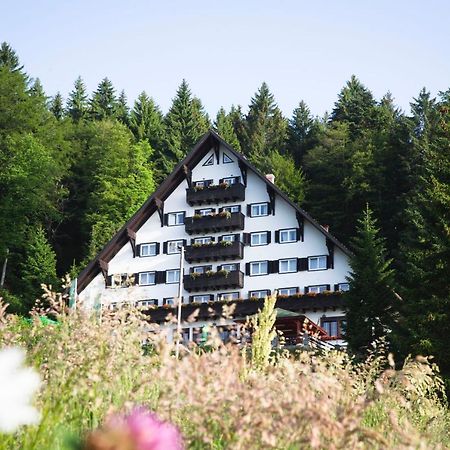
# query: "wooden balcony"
216, 223
213, 282
221, 193
219, 251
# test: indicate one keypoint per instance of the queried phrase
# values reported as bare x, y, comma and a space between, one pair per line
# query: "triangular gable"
211, 140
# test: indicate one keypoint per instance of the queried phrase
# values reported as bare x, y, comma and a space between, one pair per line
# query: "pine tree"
37, 91
371, 305
224, 126
122, 109
104, 103
77, 103
146, 121
56, 106
39, 266
355, 106
9, 58
185, 123
265, 127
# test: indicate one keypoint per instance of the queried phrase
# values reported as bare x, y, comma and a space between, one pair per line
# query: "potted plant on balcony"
194, 275
198, 188
226, 243
224, 185
223, 273
225, 214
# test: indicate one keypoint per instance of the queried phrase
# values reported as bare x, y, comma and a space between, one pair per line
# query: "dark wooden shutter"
220, 210
191, 298
165, 248
302, 264
136, 278
336, 287
160, 277
196, 211
269, 236
273, 266
277, 236
249, 210
137, 251
330, 262
184, 242
328, 287
158, 248
246, 238
221, 181
213, 238
306, 289
211, 297
219, 239
166, 219
299, 236
108, 281
269, 209
247, 268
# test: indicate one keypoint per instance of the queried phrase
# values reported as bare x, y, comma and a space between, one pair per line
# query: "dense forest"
74, 170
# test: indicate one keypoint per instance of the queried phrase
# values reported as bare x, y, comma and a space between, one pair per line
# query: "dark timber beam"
243, 168
301, 225
132, 238
104, 269
188, 175
330, 247
272, 196
160, 206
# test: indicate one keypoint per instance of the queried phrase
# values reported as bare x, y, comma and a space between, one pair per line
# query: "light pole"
180, 301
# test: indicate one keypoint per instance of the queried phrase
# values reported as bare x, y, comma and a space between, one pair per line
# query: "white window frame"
230, 267
258, 211
317, 258
259, 264
147, 302
318, 289
343, 284
232, 209
263, 293
228, 237
258, 235
203, 240
169, 301
176, 278
148, 246
230, 180
288, 291
288, 240
206, 211
227, 296
202, 298
291, 265
143, 275
177, 244
201, 269
175, 219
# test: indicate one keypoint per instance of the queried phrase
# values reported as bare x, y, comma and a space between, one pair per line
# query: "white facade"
314, 243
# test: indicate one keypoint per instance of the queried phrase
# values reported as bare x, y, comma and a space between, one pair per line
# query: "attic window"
209, 161
226, 159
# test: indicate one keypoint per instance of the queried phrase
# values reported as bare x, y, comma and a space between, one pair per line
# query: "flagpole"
180, 301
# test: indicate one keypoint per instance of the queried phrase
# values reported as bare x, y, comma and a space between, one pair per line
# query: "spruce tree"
37, 91
371, 306
122, 109
224, 126
77, 102
104, 103
39, 266
56, 106
9, 58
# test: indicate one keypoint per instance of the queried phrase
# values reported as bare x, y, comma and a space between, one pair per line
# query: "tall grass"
94, 365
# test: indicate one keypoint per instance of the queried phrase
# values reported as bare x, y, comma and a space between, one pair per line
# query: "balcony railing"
221, 193
214, 252
214, 281
219, 222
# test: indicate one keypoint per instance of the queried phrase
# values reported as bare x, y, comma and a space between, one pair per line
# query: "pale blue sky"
302, 49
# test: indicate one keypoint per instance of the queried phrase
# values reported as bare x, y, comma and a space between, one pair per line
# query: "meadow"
224, 397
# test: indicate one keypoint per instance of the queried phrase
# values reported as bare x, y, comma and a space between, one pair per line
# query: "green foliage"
371, 305
77, 103
56, 106
9, 58
224, 126
104, 104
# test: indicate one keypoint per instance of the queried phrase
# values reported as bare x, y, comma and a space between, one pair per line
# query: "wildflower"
138, 430
17, 386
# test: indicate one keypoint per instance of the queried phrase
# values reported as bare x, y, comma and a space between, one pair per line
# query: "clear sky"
302, 49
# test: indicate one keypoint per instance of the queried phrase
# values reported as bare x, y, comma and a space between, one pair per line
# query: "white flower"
17, 387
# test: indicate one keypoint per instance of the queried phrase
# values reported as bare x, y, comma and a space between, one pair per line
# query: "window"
259, 238
317, 289
228, 267
148, 249
174, 247
232, 209
259, 268
334, 326
317, 263
201, 269
230, 180
169, 301
209, 161
259, 209
287, 265
173, 276
176, 218
202, 240
260, 294
343, 287
201, 298
287, 291
202, 183
228, 238
226, 159
149, 302
146, 278
288, 235
228, 296
205, 212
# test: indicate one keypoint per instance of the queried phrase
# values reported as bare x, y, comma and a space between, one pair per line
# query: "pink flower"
138, 430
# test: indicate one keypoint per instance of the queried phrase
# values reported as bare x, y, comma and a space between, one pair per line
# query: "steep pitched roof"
210, 140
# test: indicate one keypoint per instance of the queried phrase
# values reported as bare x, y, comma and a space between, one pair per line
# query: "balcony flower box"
214, 251
221, 193
224, 221
216, 281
